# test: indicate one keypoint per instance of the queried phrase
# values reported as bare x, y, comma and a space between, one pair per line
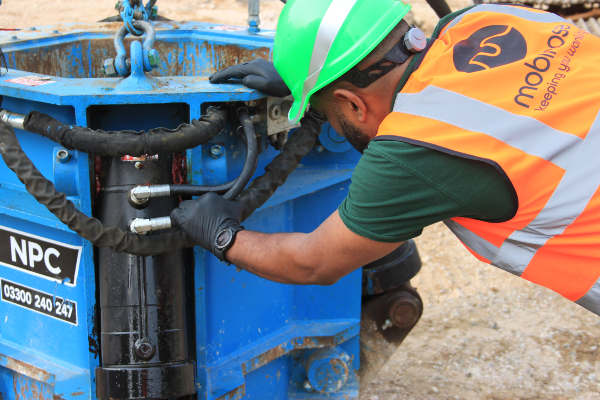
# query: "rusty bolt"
139, 165
308, 387
404, 311
154, 58
109, 68
145, 348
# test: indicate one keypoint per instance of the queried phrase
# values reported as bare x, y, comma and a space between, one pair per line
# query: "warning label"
32, 80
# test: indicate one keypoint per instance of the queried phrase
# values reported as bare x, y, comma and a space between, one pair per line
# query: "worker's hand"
207, 216
257, 74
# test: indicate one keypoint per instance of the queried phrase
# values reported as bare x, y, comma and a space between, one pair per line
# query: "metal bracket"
120, 65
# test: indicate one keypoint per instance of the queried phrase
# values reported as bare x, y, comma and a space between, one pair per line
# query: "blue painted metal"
333, 141
65, 171
252, 336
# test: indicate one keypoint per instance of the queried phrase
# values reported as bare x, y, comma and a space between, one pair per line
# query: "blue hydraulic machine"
100, 298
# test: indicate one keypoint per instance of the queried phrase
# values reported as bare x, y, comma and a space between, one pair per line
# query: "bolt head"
109, 68
216, 151
139, 165
145, 348
62, 156
154, 58
275, 112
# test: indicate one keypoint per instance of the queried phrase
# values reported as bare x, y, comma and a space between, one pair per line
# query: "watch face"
223, 238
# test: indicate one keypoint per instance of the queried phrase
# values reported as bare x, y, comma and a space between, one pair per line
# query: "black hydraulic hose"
440, 7
277, 171
131, 143
199, 190
88, 228
251, 156
232, 189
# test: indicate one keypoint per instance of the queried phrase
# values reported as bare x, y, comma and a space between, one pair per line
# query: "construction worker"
490, 126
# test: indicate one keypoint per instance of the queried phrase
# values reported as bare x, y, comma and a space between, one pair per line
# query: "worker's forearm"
277, 257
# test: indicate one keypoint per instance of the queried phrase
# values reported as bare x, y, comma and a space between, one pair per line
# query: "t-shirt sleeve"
398, 189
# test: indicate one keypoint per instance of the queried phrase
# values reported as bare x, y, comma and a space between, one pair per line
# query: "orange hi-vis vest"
518, 88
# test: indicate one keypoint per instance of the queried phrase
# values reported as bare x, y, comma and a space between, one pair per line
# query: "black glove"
208, 218
257, 74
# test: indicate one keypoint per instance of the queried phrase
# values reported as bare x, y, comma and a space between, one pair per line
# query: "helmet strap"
398, 55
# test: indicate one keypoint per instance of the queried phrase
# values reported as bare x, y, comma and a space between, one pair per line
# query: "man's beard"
357, 138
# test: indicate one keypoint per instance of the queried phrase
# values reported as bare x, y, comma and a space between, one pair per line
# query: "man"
492, 128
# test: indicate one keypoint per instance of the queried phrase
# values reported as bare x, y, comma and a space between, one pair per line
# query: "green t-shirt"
398, 188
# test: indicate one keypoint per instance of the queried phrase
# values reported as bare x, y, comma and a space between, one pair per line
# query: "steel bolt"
109, 68
216, 151
275, 112
145, 348
154, 58
387, 324
319, 148
139, 165
62, 156
308, 387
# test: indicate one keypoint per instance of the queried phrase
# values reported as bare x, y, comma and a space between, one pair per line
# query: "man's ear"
352, 103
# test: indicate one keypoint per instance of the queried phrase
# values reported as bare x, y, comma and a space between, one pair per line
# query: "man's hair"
375, 55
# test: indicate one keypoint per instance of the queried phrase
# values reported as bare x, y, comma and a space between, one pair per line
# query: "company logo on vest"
489, 47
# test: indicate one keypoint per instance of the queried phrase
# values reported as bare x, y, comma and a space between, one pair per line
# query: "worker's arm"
321, 257
318, 258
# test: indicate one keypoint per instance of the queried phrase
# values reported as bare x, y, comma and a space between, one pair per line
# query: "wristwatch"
224, 240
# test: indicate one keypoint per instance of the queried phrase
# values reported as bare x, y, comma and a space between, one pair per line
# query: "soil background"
484, 334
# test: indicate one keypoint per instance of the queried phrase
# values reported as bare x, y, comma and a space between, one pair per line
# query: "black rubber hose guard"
88, 228
128, 143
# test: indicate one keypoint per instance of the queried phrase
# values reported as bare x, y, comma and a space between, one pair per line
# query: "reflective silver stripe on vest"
520, 12
591, 300
473, 115
330, 26
471, 240
560, 211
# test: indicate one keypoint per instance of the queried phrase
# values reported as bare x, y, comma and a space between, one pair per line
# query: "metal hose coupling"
140, 195
141, 226
13, 119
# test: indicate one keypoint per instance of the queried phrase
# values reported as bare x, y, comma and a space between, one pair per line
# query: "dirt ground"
485, 334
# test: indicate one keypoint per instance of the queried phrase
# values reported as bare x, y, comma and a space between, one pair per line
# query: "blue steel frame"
252, 335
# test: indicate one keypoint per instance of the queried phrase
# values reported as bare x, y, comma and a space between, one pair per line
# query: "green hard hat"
317, 41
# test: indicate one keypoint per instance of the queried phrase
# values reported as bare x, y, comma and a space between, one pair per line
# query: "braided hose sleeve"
128, 143
88, 228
